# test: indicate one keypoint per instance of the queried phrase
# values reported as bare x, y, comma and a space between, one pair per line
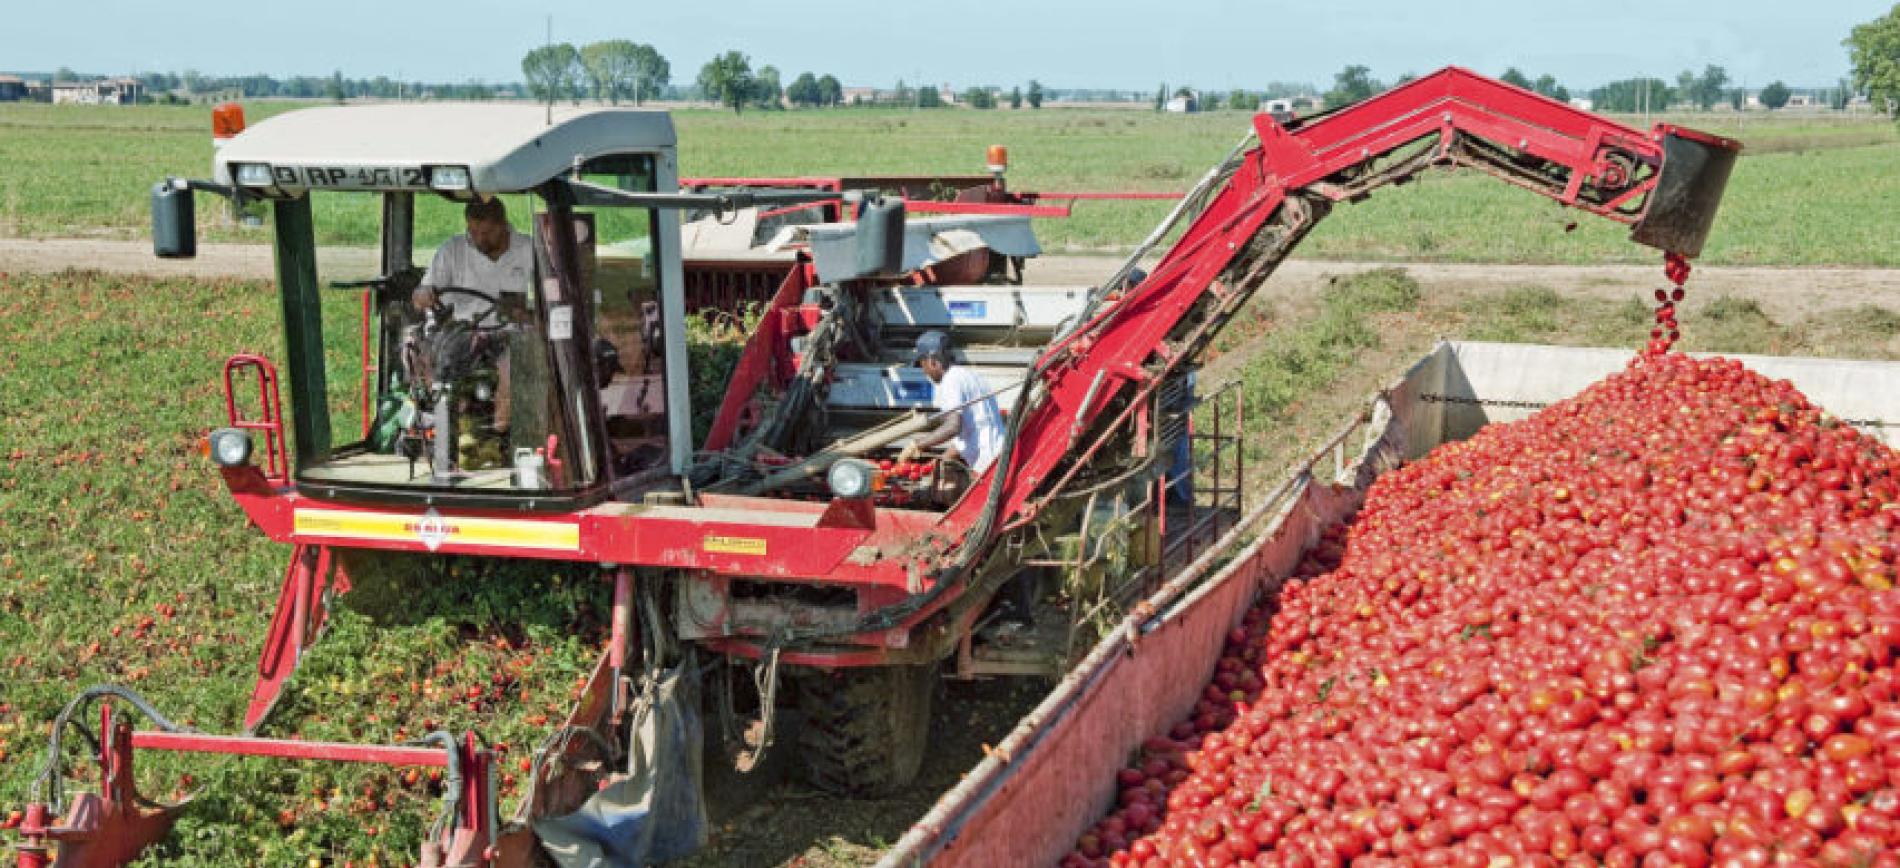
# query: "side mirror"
174, 220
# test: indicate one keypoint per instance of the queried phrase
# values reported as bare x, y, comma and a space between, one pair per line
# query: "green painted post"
303, 330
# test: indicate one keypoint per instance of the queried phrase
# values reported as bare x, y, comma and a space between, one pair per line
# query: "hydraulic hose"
48, 777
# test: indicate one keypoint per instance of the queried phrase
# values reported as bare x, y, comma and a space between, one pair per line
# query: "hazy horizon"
1218, 44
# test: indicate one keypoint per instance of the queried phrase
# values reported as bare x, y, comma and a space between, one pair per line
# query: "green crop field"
85, 171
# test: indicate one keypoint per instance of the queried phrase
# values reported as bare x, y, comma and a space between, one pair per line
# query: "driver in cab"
491, 258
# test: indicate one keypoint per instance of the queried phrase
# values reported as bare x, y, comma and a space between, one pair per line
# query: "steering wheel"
475, 317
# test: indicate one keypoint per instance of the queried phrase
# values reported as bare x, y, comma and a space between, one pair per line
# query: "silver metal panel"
864, 385
679, 395
1037, 308
834, 246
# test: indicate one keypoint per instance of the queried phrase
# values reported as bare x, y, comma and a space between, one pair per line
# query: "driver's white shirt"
460, 263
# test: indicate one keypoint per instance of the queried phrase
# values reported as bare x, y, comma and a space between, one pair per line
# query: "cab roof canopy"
506, 148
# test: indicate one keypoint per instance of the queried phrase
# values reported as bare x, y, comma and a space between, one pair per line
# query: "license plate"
350, 177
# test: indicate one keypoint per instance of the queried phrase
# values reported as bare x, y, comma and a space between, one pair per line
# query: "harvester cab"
535, 370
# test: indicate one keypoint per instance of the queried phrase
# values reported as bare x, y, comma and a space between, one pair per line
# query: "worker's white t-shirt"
460, 263
980, 425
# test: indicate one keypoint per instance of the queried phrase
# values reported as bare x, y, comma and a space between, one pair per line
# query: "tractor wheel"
866, 729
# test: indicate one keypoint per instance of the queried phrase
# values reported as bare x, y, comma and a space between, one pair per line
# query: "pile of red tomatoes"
1654, 624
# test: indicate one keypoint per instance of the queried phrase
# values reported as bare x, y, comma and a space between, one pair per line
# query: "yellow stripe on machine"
433, 529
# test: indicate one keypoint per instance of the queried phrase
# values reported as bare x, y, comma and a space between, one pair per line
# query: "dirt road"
1782, 292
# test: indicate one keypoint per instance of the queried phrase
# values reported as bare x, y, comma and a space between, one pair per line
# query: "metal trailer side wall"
1053, 776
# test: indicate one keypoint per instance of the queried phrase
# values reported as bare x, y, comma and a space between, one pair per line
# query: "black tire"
866, 729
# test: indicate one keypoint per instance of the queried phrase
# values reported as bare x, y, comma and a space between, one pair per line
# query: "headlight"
448, 178
230, 447
851, 478
252, 174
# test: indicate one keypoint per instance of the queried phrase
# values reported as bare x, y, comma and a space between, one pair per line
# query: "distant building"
1182, 105
105, 91
12, 88
1583, 103
856, 95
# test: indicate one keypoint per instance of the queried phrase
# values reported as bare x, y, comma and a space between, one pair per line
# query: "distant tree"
1737, 99
979, 98
1774, 96
1241, 100
1706, 89
554, 73
766, 91
1839, 96
1515, 78
904, 95
651, 73
1405, 78
727, 79
65, 74
613, 68
1352, 84
929, 97
1288, 89
1710, 86
1874, 49
1209, 101
803, 91
1016, 97
830, 92
333, 89
1633, 94
1161, 96
1034, 96
1686, 85
1547, 85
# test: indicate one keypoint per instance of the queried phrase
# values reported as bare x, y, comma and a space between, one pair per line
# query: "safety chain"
1539, 405
1483, 402
1664, 335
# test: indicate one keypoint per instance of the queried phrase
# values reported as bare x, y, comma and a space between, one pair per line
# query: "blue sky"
1064, 43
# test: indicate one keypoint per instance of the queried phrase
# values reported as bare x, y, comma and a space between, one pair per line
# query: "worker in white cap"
972, 424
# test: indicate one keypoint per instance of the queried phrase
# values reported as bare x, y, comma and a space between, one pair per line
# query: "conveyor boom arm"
1254, 209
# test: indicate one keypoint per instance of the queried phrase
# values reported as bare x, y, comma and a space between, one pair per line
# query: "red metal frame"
313, 576
111, 827
1133, 195
271, 420
766, 356
925, 206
